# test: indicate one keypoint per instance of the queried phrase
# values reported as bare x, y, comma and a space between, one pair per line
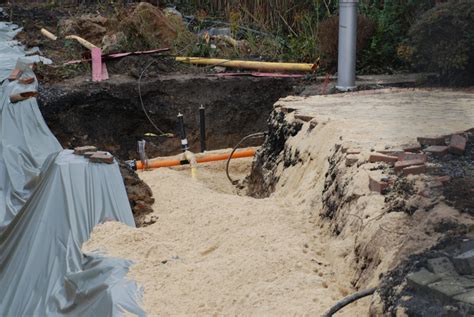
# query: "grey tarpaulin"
50, 200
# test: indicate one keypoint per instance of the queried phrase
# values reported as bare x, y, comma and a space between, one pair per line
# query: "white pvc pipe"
346, 63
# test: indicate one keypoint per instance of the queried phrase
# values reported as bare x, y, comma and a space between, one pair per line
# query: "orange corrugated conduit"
203, 159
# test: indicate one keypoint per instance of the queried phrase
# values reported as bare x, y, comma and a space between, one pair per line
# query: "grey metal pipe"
346, 63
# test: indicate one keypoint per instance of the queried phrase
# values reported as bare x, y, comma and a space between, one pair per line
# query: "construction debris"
48, 34
81, 150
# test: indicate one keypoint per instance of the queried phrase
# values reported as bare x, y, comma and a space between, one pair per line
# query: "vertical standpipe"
182, 133
202, 127
346, 63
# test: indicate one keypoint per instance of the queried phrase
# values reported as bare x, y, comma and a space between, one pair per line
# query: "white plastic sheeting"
50, 200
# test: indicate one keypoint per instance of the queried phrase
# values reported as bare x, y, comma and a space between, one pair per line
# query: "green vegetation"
442, 40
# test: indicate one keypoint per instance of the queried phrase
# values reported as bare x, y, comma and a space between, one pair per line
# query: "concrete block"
83, 149
446, 289
467, 297
422, 278
442, 266
464, 263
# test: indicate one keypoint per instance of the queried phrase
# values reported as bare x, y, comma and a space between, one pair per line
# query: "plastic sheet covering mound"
50, 200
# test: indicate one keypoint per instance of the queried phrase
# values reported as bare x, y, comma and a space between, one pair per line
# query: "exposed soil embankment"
370, 232
109, 114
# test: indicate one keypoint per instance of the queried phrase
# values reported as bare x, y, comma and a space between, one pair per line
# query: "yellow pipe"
268, 66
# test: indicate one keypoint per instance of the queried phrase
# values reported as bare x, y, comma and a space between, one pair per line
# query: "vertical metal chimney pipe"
346, 63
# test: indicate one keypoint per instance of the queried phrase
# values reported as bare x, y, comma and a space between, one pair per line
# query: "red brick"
412, 148
23, 96
425, 193
412, 156
287, 109
457, 145
377, 186
351, 160
416, 169
80, 150
15, 74
438, 150
303, 117
443, 179
435, 140
390, 152
102, 158
435, 184
401, 165
353, 151
378, 157
26, 81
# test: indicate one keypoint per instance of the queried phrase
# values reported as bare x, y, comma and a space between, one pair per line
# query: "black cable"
347, 300
141, 100
251, 136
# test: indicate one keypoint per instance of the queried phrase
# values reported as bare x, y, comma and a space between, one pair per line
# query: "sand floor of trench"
213, 252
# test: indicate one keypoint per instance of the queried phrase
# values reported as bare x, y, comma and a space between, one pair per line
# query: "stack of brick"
93, 155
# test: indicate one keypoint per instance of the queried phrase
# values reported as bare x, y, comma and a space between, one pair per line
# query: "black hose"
141, 101
347, 300
251, 136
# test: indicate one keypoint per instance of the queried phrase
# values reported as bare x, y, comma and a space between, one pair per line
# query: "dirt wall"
109, 115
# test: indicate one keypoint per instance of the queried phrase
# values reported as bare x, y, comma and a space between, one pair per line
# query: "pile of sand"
214, 252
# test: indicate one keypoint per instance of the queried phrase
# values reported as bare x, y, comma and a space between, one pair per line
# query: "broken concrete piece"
434, 140
378, 157
414, 170
457, 145
400, 165
102, 158
83, 149
464, 263
437, 150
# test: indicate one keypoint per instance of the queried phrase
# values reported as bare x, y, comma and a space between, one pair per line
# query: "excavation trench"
318, 234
